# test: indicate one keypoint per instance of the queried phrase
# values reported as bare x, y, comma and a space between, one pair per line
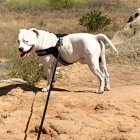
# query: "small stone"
99, 107
123, 129
45, 130
9, 131
4, 116
37, 128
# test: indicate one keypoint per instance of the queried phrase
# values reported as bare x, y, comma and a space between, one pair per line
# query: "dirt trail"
74, 111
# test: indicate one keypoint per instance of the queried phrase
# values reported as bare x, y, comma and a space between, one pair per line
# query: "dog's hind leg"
106, 74
103, 67
94, 67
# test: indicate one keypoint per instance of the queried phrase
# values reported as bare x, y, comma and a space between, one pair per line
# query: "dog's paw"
99, 91
106, 89
45, 89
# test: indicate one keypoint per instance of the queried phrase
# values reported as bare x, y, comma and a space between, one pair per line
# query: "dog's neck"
45, 40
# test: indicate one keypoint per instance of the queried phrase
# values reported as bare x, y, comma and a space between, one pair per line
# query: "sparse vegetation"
43, 4
27, 69
27, 4
94, 20
17, 14
59, 4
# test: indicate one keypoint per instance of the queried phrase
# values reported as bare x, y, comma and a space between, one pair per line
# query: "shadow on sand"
26, 87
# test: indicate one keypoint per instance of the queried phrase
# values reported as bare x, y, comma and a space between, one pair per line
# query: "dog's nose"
20, 49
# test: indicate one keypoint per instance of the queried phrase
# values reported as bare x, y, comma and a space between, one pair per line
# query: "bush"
94, 21
27, 69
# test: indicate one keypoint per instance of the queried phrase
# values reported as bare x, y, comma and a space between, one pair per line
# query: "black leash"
47, 101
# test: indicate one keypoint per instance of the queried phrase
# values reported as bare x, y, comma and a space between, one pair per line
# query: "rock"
135, 116
60, 108
45, 130
124, 129
127, 41
4, 116
16, 80
65, 126
130, 30
62, 137
134, 16
89, 131
99, 107
9, 131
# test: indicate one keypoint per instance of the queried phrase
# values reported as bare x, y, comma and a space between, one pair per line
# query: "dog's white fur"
82, 47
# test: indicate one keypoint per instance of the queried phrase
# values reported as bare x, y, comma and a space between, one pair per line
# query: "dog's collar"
54, 50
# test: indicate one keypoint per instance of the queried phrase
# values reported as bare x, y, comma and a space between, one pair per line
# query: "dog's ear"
35, 31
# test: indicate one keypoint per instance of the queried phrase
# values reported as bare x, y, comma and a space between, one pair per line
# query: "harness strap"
54, 50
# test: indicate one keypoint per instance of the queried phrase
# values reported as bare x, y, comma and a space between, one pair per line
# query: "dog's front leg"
49, 73
48, 70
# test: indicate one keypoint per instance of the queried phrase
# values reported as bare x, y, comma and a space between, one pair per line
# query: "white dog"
82, 47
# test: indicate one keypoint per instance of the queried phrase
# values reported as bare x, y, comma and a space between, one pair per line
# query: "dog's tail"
102, 36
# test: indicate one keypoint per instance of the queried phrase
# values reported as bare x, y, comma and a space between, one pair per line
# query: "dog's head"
27, 40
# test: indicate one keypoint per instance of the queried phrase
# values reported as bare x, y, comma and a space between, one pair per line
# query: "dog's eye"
18, 41
25, 41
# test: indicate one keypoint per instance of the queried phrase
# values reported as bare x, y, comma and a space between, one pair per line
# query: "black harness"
54, 50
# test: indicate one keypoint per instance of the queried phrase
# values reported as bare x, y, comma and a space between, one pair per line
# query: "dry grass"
12, 22
56, 22
61, 21
132, 3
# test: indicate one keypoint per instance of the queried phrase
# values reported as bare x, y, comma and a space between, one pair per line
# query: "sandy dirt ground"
75, 111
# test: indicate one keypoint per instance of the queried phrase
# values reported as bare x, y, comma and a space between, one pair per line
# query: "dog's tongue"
24, 54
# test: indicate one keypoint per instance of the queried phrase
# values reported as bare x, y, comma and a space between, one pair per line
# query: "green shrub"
27, 68
94, 21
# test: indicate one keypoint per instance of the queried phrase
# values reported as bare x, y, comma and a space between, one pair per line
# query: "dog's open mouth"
24, 54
